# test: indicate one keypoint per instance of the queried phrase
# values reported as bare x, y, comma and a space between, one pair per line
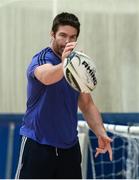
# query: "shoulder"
45, 56
41, 55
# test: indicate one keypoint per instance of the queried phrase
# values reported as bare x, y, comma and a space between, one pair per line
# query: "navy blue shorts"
39, 161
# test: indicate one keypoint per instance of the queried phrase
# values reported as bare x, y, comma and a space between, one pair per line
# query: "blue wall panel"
16, 150
3, 149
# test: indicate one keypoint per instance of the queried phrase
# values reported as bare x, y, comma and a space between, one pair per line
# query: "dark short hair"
66, 18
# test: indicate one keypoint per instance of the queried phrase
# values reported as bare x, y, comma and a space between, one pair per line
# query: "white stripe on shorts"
20, 157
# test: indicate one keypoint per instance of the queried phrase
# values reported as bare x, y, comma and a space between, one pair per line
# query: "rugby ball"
80, 72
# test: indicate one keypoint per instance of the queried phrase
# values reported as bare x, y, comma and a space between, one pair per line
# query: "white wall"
109, 34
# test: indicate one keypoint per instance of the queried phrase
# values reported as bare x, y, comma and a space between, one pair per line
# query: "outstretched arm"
93, 118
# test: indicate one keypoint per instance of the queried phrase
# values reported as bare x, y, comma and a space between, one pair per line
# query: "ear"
52, 34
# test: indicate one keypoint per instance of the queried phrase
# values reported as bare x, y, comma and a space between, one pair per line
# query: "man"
50, 147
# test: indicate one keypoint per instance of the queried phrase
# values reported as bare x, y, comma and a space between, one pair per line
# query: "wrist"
101, 132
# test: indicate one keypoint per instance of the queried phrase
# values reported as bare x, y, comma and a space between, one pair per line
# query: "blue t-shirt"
51, 115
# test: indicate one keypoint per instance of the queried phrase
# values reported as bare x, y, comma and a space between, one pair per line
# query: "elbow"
43, 79
46, 80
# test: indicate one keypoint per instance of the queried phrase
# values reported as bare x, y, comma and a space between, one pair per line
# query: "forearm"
94, 120
49, 74
54, 74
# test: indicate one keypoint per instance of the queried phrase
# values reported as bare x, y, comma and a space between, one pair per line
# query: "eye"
63, 35
73, 37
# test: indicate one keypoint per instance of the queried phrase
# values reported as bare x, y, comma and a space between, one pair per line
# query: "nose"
67, 40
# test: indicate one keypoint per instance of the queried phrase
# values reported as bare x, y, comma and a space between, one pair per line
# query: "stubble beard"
58, 49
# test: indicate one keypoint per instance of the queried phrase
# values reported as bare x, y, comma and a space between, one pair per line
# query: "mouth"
62, 48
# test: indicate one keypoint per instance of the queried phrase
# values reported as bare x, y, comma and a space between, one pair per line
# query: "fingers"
103, 151
104, 146
100, 151
71, 44
108, 146
68, 48
106, 139
110, 152
109, 139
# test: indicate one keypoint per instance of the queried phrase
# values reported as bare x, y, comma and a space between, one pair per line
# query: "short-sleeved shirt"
51, 114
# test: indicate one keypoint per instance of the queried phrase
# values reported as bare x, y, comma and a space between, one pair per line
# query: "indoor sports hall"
110, 36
